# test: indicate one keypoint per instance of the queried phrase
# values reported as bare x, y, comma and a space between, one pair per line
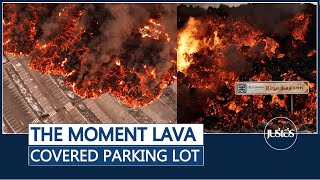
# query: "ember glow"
122, 49
20, 29
220, 46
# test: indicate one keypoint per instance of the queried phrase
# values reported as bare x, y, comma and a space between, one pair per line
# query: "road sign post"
291, 101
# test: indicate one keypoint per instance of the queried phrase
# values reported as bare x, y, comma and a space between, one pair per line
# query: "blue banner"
116, 155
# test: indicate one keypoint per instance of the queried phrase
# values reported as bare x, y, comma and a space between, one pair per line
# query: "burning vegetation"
127, 50
254, 42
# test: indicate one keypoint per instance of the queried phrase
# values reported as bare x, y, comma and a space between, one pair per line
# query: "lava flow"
98, 48
220, 46
20, 29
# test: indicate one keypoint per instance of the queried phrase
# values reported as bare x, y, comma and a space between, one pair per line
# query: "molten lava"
20, 29
217, 49
71, 41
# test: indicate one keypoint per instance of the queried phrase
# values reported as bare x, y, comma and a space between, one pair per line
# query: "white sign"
271, 87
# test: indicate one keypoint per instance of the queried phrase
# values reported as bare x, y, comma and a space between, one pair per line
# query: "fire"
43, 46
270, 47
233, 107
153, 73
64, 62
277, 101
299, 26
152, 21
70, 74
167, 37
27, 26
216, 38
6, 42
132, 78
312, 53
154, 30
188, 44
216, 50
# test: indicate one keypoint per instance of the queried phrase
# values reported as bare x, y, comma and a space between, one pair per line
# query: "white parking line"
52, 113
35, 121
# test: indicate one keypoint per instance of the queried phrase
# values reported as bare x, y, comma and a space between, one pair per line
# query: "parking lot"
16, 112
33, 97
